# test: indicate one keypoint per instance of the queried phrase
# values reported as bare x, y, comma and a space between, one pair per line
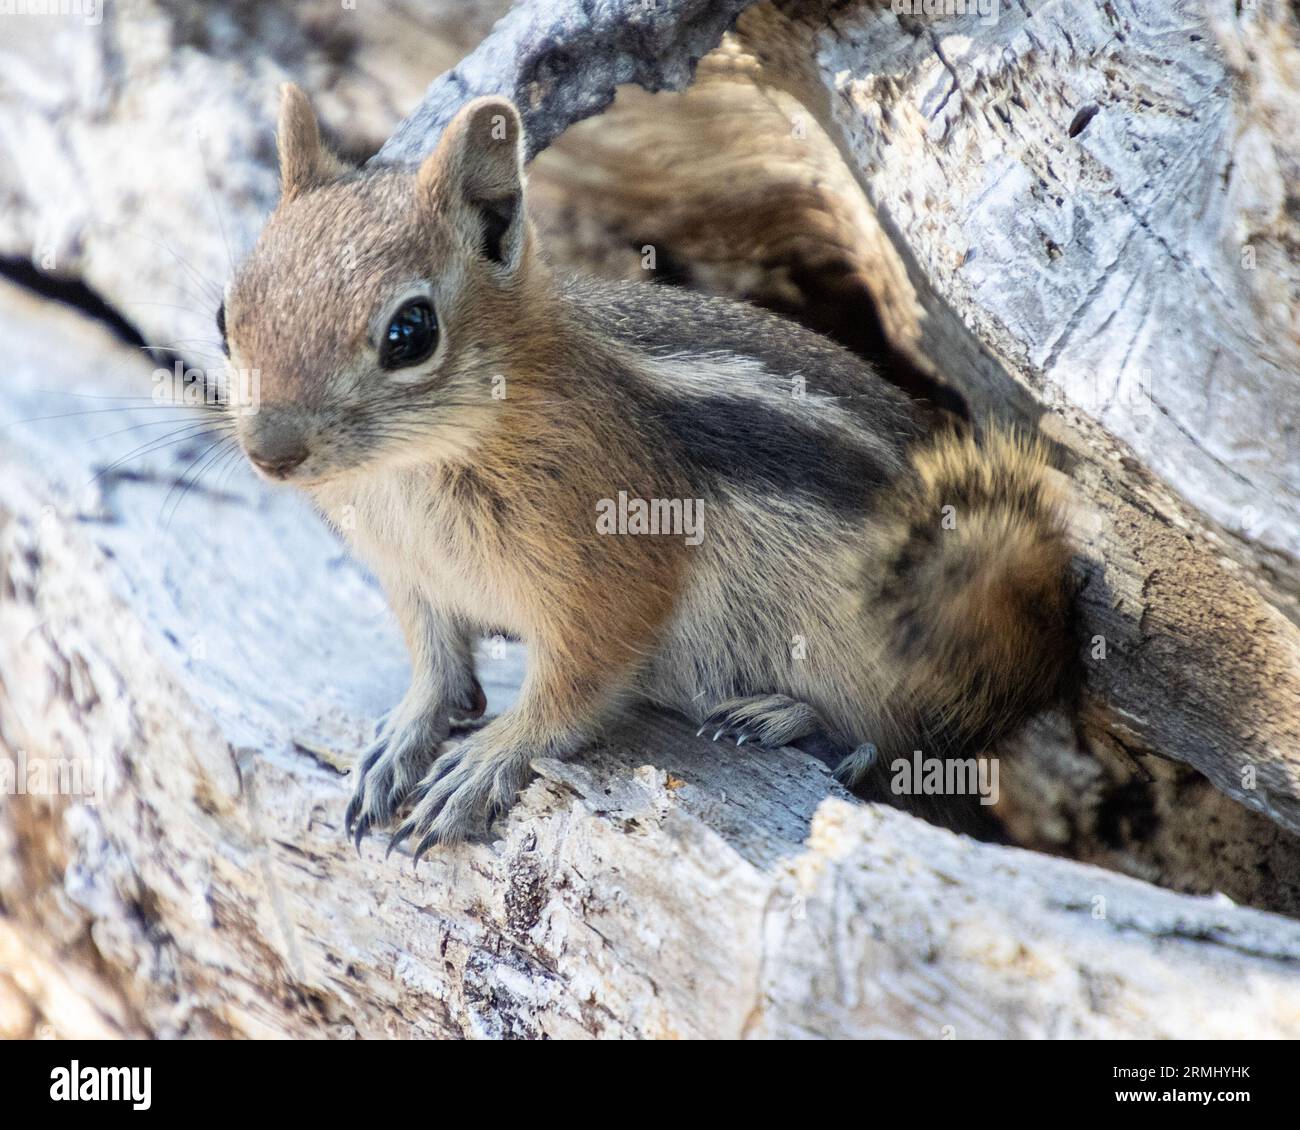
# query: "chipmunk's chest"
416, 533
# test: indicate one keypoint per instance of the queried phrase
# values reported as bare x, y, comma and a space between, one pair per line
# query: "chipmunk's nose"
276, 447
279, 466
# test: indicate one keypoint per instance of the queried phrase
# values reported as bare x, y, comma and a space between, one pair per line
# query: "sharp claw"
425, 845
742, 739
700, 732
719, 733
403, 833
363, 826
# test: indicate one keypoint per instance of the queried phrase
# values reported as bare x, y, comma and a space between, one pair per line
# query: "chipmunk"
464, 416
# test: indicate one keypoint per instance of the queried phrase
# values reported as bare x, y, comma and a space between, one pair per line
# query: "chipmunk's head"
379, 306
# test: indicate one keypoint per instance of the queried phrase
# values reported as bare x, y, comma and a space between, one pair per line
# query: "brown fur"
304, 163
981, 610
826, 594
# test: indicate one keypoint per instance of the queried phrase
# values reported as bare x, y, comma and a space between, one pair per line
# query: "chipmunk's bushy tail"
975, 594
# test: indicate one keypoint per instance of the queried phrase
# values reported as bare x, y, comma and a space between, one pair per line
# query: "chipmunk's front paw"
405, 746
770, 721
466, 790
389, 769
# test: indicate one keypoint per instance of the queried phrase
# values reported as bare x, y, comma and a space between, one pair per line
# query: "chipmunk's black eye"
411, 336
221, 329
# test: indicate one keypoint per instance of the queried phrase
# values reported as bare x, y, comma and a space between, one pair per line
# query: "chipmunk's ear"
304, 163
475, 178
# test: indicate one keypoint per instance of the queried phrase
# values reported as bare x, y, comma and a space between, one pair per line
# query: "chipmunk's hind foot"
770, 721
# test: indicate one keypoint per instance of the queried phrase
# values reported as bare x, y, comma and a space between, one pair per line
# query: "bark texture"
561, 61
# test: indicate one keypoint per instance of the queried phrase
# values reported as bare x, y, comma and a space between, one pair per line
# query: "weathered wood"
561, 61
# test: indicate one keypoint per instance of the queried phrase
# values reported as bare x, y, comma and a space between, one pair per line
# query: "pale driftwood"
561, 61
223, 665
225, 668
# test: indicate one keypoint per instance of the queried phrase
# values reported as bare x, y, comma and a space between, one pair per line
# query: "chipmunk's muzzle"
276, 444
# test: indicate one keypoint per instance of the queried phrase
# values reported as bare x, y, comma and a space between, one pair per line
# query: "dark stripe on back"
766, 449
730, 437
663, 321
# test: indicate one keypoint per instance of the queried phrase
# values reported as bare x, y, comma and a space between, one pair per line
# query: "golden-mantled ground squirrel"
495, 441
